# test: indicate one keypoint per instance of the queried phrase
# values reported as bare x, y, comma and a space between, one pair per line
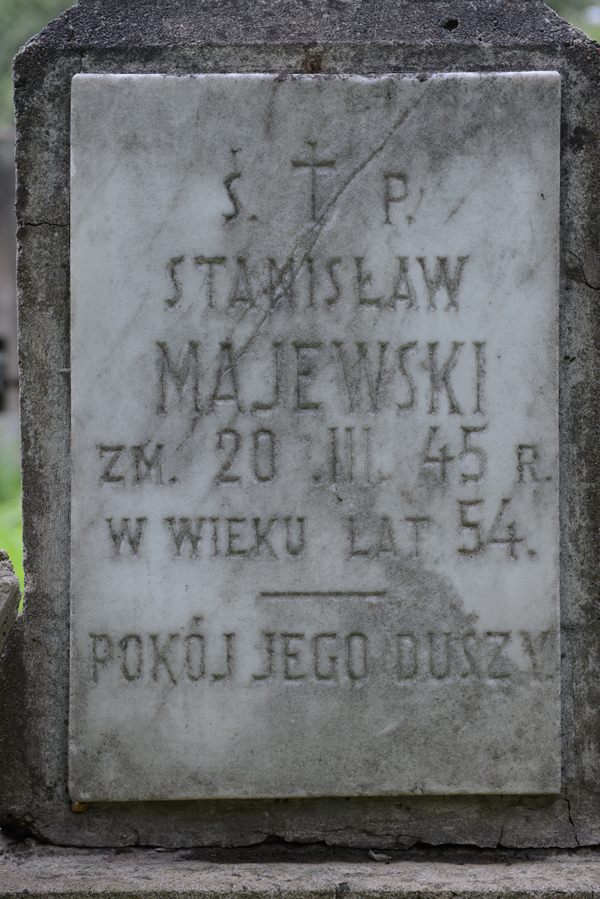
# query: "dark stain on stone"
580, 137
450, 24
312, 63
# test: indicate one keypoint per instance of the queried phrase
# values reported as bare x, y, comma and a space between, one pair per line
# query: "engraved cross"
315, 165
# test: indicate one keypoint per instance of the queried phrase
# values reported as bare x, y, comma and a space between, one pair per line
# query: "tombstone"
308, 341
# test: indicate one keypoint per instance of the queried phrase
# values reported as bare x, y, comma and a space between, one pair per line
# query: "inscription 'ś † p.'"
314, 491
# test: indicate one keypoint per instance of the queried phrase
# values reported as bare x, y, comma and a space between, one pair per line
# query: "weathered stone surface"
314, 435
290, 37
10, 595
8, 304
42, 872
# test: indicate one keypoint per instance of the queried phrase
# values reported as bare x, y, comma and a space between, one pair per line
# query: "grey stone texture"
36, 871
8, 299
10, 596
285, 37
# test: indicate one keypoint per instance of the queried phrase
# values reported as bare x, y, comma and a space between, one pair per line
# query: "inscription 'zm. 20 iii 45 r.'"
314, 435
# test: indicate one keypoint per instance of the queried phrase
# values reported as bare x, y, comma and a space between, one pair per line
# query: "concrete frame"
360, 36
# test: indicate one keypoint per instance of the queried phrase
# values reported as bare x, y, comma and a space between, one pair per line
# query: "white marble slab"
315, 437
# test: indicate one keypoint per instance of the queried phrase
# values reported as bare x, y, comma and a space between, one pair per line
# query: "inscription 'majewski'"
314, 520
367, 376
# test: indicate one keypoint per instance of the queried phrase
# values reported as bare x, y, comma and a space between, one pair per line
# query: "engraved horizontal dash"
321, 594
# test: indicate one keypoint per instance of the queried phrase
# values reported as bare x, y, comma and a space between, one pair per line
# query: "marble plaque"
314, 435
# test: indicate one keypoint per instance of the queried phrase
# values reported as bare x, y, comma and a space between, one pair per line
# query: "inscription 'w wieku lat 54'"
314, 400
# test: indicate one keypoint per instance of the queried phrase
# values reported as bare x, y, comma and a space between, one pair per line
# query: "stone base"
296, 872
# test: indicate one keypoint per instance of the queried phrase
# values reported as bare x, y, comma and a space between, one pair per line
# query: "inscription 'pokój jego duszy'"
314, 393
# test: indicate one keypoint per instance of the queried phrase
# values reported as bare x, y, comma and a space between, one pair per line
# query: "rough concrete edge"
73, 29
36, 871
10, 597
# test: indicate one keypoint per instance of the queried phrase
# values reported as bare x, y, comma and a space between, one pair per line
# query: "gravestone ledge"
39, 872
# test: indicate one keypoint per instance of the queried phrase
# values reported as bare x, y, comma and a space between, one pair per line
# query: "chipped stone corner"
10, 597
